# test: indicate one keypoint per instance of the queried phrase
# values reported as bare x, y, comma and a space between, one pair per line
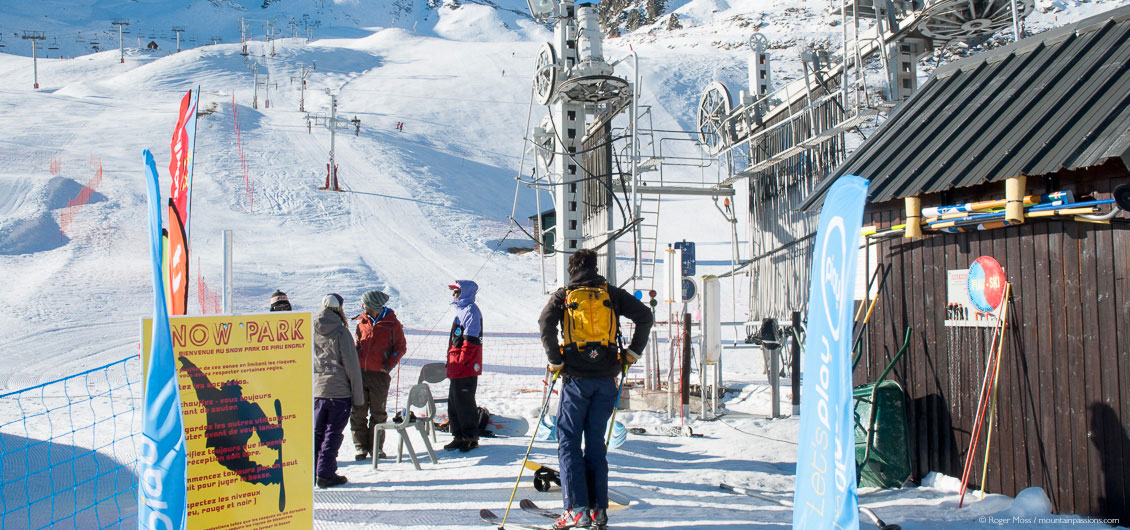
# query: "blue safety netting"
67, 451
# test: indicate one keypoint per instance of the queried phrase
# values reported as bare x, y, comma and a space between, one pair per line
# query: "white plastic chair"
419, 396
433, 373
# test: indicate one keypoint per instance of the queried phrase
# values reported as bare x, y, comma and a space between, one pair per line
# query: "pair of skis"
526, 505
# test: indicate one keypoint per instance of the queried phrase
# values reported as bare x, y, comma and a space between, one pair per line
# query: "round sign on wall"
986, 284
689, 289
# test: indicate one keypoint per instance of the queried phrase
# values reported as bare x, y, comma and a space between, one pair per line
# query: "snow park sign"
245, 389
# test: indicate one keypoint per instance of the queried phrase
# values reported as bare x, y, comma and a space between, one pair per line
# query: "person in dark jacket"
380, 345
337, 387
588, 394
464, 365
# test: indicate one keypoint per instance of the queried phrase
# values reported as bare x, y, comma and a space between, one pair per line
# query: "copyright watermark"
1044, 519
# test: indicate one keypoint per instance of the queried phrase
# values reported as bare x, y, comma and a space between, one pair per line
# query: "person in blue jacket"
464, 366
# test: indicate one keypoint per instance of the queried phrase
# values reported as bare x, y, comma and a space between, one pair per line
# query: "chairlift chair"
54, 44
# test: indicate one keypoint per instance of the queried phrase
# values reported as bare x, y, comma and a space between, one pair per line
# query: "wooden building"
1055, 108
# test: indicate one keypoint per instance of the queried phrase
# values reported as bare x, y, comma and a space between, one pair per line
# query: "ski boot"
599, 518
573, 518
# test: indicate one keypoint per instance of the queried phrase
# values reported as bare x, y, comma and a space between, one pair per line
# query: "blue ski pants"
586, 404
330, 417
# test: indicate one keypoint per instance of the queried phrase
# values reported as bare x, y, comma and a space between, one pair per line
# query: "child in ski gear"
588, 310
337, 387
464, 365
279, 302
380, 345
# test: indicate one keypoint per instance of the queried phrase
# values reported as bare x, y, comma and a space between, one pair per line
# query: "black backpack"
484, 418
484, 421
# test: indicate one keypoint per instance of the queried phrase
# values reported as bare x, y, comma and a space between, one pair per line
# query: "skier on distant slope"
380, 345
590, 358
464, 365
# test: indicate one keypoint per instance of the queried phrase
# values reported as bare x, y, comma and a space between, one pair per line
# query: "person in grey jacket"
337, 387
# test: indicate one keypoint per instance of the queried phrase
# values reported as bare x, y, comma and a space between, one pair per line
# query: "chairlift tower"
305, 71
333, 123
255, 78
571, 77
267, 84
243, 36
271, 35
34, 36
178, 30
120, 23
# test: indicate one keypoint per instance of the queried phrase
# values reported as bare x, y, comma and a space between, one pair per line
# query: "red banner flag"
178, 263
181, 148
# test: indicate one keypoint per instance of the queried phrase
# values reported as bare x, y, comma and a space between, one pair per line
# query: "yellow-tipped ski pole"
993, 395
544, 407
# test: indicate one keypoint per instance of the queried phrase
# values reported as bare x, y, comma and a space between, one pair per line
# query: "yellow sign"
247, 397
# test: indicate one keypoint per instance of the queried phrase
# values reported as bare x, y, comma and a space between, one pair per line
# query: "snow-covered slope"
74, 28
424, 206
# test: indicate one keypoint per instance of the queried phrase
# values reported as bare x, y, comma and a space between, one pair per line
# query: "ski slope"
421, 207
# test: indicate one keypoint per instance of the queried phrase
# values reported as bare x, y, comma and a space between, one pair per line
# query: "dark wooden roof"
1057, 100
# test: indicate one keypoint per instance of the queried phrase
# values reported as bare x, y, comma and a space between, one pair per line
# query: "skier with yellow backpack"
589, 359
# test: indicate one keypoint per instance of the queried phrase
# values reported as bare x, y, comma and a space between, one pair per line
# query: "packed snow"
422, 207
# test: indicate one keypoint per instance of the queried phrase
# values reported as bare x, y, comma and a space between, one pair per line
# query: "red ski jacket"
380, 341
465, 344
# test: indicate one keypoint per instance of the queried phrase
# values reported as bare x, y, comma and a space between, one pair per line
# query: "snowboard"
548, 432
497, 426
505, 426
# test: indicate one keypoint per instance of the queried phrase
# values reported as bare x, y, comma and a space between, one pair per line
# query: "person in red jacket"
464, 365
380, 345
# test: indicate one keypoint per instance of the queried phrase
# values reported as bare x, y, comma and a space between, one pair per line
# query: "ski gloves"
628, 358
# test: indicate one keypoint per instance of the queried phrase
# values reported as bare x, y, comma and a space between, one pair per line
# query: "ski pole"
544, 407
616, 405
986, 387
983, 401
993, 394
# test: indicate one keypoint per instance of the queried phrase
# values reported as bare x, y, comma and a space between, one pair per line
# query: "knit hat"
333, 301
374, 300
279, 301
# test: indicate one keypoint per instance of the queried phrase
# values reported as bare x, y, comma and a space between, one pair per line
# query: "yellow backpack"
589, 319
